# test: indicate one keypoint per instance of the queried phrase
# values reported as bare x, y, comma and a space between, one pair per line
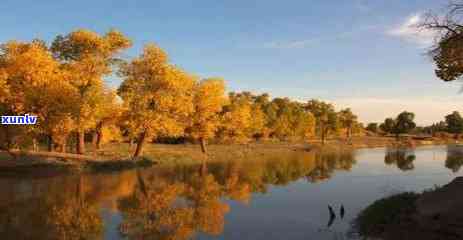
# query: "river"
274, 197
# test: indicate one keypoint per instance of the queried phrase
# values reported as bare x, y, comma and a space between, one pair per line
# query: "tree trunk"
63, 147
203, 168
203, 145
9, 138
349, 135
80, 146
323, 136
99, 135
50, 143
94, 139
35, 147
140, 144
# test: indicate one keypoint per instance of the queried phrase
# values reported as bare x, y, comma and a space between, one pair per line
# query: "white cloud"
410, 31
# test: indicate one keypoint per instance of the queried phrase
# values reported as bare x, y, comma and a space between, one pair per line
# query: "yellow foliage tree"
88, 57
158, 95
237, 122
209, 98
34, 83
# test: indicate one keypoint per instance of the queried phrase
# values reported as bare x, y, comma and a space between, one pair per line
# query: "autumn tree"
88, 57
159, 96
107, 115
348, 121
34, 83
237, 120
209, 98
292, 120
326, 117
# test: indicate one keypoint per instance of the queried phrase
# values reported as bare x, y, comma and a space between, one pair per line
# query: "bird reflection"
332, 216
342, 211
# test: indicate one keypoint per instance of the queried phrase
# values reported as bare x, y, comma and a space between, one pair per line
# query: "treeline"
404, 124
63, 85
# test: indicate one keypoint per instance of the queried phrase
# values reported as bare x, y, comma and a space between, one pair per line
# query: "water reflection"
60, 211
401, 157
187, 201
327, 162
454, 159
173, 202
162, 209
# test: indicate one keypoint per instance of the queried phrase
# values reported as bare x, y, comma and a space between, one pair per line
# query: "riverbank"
431, 215
117, 156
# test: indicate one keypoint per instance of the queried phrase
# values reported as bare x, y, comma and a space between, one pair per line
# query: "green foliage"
454, 123
372, 127
403, 123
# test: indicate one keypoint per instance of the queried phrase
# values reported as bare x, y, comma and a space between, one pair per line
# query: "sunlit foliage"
158, 95
209, 99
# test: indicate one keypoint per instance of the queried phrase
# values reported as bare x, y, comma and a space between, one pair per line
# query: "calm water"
277, 197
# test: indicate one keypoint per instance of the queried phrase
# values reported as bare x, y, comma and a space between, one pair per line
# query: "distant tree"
388, 125
404, 123
454, 123
237, 119
348, 121
372, 127
326, 117
436, 127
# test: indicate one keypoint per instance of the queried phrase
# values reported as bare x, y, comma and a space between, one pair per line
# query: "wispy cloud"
361, 5
310, 42
297, 44
410, 31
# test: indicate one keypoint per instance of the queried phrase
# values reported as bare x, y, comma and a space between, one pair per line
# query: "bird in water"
342, 211
332, 216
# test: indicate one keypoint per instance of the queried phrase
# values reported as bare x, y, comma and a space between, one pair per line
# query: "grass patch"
385, 214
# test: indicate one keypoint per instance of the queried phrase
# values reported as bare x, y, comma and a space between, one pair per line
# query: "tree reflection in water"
176, 203
165, 202
326, 163
161, 209
58, 213
454, 159
401, 157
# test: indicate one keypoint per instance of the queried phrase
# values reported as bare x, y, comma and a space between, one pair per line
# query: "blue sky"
355, 53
